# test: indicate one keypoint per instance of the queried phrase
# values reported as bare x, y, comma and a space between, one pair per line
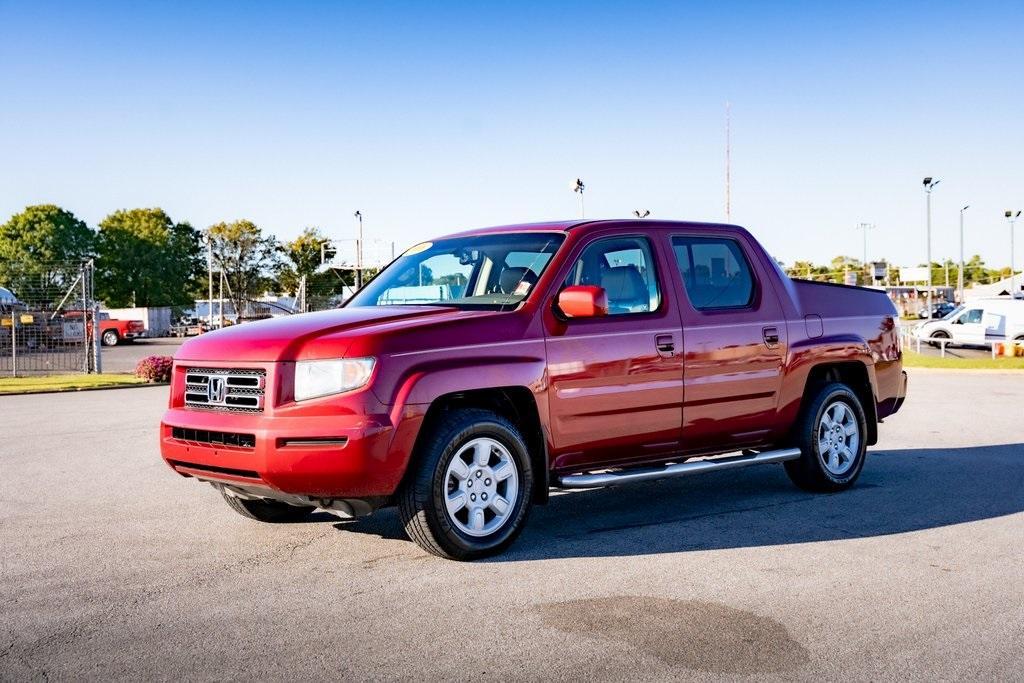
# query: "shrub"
154, 369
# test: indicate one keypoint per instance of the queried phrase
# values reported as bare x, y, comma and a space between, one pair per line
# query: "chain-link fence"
324, 291
46, 318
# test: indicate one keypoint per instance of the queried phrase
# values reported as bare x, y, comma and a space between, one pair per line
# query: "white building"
1000, 288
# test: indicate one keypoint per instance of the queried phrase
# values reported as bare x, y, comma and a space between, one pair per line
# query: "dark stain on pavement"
703, 636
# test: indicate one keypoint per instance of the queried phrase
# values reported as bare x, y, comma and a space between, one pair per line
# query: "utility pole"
578, 188
220, 302
929, 183
359, 252
209, 272
960, 274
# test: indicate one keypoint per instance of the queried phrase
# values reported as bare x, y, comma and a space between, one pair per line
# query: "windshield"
494, 271
955, 311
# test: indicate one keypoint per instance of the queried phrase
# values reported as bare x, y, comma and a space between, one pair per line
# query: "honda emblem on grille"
217, 389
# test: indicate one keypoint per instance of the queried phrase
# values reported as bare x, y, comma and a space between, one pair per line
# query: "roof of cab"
566, 226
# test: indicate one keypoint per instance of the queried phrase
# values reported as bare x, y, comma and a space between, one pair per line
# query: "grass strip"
48, 383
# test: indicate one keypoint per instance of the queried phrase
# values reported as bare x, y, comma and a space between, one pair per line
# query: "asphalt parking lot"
976, 352
126, 355
113, 567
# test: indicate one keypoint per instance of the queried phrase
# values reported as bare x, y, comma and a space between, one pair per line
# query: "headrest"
511, 277
624, 283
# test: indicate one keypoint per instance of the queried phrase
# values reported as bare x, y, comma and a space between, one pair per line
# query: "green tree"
303, 256
45, 234
249, 259
146, 259
806, 270
37, 246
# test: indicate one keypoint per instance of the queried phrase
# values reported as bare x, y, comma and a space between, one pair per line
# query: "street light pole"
960, 275
1011, 218
578, 188
929, 183
865, 227
359, 252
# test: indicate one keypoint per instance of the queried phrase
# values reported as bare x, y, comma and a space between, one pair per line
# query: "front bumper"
324, 456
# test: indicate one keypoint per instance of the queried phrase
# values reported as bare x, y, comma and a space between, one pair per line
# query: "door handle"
666, 344
771, 336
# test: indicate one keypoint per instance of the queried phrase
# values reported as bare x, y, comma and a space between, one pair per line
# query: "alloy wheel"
481, 487
838, 438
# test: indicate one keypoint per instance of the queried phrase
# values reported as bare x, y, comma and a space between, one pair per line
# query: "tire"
110, 338
939, 334
435, 503
821, 468
270, 511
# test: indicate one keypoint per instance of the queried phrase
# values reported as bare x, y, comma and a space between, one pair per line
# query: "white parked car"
978, 322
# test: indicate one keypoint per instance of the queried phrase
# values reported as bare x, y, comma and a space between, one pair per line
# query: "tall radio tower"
728, 161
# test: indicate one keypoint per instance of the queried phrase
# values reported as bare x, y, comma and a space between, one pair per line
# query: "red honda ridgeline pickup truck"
479, 370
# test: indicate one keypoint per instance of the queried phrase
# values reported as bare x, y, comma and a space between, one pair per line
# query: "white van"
978, 322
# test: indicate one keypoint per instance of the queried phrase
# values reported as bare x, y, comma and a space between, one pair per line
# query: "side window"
624, 267
971, 316
715, 272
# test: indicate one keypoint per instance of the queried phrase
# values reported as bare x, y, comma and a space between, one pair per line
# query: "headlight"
324, 377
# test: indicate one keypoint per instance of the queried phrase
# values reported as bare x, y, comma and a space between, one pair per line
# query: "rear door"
734, 341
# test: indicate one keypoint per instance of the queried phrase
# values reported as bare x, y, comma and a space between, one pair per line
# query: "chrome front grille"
240, 391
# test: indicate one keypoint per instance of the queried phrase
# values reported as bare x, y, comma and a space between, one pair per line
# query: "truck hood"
282, 339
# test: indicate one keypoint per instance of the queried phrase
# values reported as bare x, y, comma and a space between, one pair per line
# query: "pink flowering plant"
154, 369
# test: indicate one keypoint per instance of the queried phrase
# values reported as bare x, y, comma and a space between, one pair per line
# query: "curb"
70, 390
967, 371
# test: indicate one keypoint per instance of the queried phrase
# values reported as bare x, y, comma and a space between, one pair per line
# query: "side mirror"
583, 301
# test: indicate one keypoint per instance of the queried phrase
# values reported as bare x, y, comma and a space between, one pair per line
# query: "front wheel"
469, 494
940, 334
831, 435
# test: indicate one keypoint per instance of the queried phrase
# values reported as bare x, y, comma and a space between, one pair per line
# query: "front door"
968, 327
735, 342
615, 382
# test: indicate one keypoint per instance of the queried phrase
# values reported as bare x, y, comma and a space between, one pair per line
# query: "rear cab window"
715, 272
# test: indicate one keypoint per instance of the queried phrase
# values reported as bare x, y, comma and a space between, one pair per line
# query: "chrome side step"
589, 481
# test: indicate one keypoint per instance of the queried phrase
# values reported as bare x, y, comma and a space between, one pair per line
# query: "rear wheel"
270, 511
470, 492
111, 338
831, 435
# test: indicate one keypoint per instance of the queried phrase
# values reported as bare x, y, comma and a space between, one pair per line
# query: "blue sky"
432, 117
